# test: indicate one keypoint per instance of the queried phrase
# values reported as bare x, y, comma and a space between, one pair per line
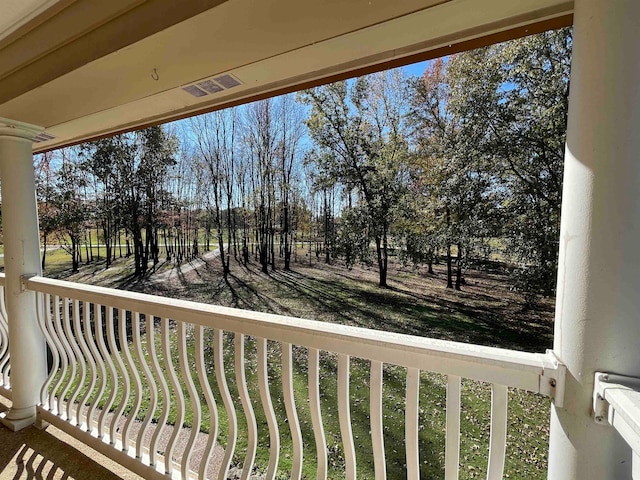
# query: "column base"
41, 424
16, 420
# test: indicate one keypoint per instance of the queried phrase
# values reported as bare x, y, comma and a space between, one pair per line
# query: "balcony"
137, 377
81, 70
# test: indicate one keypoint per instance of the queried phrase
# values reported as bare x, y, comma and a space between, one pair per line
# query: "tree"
70, 210
156, 153
288, 150
45, 190
451, 184
128, 173
261, 143
216, 144
515, 97
100, 160
358, 130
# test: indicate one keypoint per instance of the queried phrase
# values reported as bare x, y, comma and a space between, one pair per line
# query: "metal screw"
552, 382
599, 419
604, 377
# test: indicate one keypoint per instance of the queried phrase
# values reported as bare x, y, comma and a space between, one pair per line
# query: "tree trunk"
459, 268
285, 235
235, 234
294, 240
74, 256
167, 247
138, 251
107, 244
44, 250
97, 244
449, 267
89, 248
272, 246
381, 250
327, 236
224, 254
79, 251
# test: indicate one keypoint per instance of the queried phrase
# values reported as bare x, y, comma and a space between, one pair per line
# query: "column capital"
14, 128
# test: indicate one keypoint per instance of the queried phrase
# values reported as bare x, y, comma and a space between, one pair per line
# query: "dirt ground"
486, 311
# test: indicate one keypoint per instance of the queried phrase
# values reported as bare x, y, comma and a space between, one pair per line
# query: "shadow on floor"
51, 454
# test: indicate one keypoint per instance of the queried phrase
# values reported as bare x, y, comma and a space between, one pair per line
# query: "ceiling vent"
43, 137
195, 91
227, 81
211, 86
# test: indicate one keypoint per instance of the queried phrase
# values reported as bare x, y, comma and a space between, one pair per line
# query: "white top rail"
616, 401
530, 371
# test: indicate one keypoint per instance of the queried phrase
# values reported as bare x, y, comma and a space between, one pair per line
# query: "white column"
21, 257
598, 299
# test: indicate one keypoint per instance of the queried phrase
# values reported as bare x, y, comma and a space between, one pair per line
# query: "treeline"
446, 166
465, 157
229, 180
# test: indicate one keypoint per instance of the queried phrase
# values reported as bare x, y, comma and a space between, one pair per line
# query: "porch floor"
52, 454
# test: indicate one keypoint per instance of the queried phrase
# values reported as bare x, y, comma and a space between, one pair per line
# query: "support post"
597, 326
21, 257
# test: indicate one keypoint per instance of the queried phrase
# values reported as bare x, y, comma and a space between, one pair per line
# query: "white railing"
129, 369
616, 402
5, 359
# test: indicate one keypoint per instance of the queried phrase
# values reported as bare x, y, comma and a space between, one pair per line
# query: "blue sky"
416, 69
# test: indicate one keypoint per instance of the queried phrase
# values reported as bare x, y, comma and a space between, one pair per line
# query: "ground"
487, 311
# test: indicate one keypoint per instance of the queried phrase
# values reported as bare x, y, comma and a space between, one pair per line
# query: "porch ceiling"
85, 69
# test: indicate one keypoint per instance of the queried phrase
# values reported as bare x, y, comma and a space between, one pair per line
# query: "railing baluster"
249, 414
211, 403
498, 436
63, 351
316, 413
74, 332
137, 383
218, 348
290, 407
164, 390
4, 354
4, 341
344, 414
113, 376
115, 353
177, 389
92, 339
195, 400
153, 394
452, 449
43, 312
267, 405
377, 431
411, 423
87, 357
68, 342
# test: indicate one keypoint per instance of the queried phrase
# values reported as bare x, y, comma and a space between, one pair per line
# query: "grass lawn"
486, 312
